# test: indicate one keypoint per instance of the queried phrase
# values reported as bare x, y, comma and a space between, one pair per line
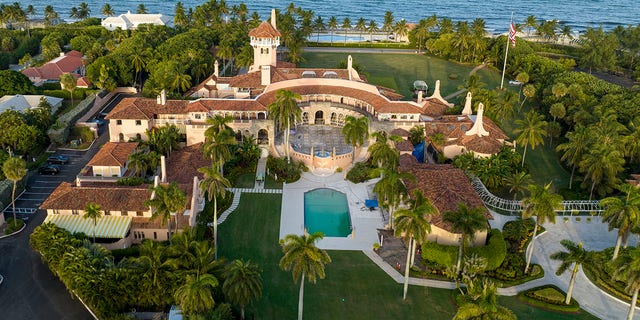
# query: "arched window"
121, 137
263, 136
319, 119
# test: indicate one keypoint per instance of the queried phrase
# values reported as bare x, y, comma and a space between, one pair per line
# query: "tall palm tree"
304, 259
575, 255
106, 10
152, 262
93, 211
14, 169
622, 213
484, 304
401, 29
627, 269
332, 24
346, 25
50, 15
214, 185
355, 132
167, 200
218, 141
542, 203
242, 283
413, 224
578, 144
361, 25
391, 189
601, 165
69, 83
285, 110
382, 153
371, 28
531, 22
138, 162
387, 25
466, 221
530, 131
195, 296
518, 183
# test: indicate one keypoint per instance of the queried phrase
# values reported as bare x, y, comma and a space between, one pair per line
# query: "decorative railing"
515, 207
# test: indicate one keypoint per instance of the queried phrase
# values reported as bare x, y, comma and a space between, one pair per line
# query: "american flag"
512, 35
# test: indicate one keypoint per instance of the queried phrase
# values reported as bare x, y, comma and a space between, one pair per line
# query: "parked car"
99, 122
51, 169
57, 159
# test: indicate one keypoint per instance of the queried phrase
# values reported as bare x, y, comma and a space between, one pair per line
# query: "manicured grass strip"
245, 180
525, 311
404, 69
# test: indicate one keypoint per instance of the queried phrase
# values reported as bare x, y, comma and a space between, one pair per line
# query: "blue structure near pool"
326, 210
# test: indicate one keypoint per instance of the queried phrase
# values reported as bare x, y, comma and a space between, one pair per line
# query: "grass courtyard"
355, 288
398, 71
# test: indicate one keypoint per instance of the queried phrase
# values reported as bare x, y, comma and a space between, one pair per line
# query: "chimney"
62, 54
163, 168
158, 99
273, 18
478, 128
163, 97
266, 75
216, 70
419, 96
195, 195
467, 105
349, 65
436, 95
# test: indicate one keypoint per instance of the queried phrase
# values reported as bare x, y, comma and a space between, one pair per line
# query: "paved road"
30, 290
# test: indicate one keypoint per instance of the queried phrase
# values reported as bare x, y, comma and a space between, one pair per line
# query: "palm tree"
601, 164
391, 189
141, 9
69, 83
530, 131
138, 162
152, 262
195, 296
304, 259
579, 142
382, 153
401, 29
346, 25
575, 255
84, 11
285, 110
371, 28
518, 183
361, 25
332, 24
319, 25
542, 203
93, 211
214, 185
627, 269
106, 10
531, 22
413, 225
166, 200
14, 169
622, 213
484, 303
50, 15
217, 146
242, 283
355, 132
528, 91
466, 221
387, 25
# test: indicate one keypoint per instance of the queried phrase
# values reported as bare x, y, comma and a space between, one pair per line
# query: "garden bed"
549, 297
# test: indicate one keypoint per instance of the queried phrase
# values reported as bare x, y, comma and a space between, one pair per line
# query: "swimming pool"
327, 211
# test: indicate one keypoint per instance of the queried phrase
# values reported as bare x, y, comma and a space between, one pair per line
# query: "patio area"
364, 221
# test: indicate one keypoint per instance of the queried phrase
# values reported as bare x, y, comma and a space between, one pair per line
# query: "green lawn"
355, 288
525, 311
398, 71
245, 180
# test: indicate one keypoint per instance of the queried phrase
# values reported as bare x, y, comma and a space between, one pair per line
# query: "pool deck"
364, 221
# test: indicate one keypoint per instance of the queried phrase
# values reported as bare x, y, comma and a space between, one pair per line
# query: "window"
118, 122
139, 214
75, 212
138, 122
197, 116
155, 235
56, 211
124, 213
107, 213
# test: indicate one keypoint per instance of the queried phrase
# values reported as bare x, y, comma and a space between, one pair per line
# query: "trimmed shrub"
287, 172
13, 226
362, 171
549, 297
494, 252
82, 132
59, 133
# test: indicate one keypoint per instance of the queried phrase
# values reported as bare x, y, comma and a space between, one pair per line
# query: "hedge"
59, 134
6, 186
530, 297
494, 252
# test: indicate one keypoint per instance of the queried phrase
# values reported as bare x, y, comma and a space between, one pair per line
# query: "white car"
515, 83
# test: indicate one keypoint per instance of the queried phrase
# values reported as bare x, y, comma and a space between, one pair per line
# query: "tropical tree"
382, 153
93, 211
217, 147
14, 169
622, 213
319, 26
137, 161
68, 82
371, 28
195, 296
50, 15
166, 201
391, 189
401, 29
530, 131
531, 22
483, 303
106, 10
285, 110
413, 225
304, 259
214, 185
355, 132
579, 143
242, 283
518, 182
575, 255
387, 25
152, 262
529, 91
627, 269
346, 25
361, 25
141, 9
466, 221
332, 24
542, 203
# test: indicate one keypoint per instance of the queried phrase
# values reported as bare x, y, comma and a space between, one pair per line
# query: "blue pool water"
322, 154
326, 210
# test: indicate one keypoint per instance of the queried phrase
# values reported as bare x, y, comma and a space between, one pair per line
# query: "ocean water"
578, 14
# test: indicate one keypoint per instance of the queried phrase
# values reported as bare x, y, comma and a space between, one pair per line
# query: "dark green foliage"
601, 271
492, 170
13, 225
287, 172
81, 132
362, 171
131, 181
494, 251
517, 235
416, 135
206, 216
131, 252
549, 297
78, 94
13, 82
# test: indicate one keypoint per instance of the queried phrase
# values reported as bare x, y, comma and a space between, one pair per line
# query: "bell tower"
265, 40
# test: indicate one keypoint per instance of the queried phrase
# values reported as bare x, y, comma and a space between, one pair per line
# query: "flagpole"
506, 52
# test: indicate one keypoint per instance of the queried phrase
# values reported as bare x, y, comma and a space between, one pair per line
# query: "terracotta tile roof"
434, 108
231, 105
183, 164
404, 145
444, 185
485, 145
148, 223
398, 107
53, 69
454, 127
113, 154
144, 108
374, 99
112, 198
254, 79
399, 132
264, 30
